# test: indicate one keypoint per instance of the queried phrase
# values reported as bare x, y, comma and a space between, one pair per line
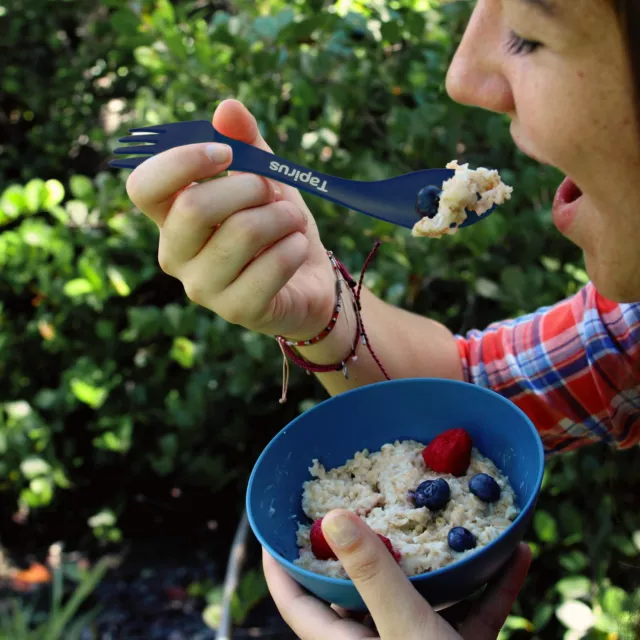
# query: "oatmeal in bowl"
376, 447
427, 518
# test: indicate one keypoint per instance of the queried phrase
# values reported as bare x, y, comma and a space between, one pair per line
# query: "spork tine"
393, 200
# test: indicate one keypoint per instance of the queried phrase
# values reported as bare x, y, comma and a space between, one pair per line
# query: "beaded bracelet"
355, 288
334, 318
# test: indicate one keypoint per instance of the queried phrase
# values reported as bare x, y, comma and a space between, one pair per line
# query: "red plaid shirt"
573, 368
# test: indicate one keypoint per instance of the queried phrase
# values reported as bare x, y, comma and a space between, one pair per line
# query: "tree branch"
232, 578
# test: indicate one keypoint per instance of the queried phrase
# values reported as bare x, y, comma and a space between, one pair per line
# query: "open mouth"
566, 204
569, 191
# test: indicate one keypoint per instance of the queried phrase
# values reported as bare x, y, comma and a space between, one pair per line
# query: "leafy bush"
110, 374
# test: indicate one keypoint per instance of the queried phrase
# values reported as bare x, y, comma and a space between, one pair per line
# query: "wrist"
338, 344
331, 308
327, 352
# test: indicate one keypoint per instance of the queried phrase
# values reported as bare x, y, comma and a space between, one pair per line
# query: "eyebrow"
546, 6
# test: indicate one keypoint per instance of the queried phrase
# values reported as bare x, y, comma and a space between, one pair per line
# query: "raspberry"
387, 543
450, 452
319, 544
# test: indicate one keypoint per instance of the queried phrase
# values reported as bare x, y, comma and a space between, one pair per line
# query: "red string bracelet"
361, 336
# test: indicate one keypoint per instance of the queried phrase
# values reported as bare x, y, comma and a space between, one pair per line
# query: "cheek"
570, 118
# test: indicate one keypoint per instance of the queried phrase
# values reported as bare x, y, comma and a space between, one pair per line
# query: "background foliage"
114, 384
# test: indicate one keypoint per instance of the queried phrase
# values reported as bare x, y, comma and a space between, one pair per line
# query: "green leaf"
169, 444
118, 282
488, 289
165, 12
35, 194
33, 467
13, 202
81, 187
105, 518
614, 601
545, 526
624, 545
518, 623
78, 212
574, 561
212, 615
124, 22
43, 488
77, 287
183, 352
149, 58
55, 194
575, 615
391, 31
89, 394
542, 615
574, 587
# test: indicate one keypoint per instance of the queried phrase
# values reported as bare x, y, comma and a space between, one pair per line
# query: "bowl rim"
458, 564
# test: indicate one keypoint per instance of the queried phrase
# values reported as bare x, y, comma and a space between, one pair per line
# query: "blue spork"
393, 200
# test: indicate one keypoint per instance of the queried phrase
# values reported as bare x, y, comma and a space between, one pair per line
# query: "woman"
567, 73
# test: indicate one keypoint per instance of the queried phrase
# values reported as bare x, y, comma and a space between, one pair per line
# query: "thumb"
397, 609
234, 120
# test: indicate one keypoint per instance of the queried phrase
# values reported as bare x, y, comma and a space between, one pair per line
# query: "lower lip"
566, 205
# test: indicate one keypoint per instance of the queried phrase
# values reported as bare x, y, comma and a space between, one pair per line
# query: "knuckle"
260, 187
132, 188
235, 315
248, 228
195, 291
289, 209
290, 260
188, 206
284, 263
164, 259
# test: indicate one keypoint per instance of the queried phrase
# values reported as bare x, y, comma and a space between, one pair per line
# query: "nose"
476, 75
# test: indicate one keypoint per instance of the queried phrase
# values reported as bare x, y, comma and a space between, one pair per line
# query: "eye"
518, 45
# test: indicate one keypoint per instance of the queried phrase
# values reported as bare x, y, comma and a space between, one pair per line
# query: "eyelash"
521, 46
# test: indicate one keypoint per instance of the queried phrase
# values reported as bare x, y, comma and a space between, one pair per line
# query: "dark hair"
629, 13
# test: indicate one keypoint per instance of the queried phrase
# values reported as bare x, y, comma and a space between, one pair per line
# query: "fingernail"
341, 529
218, 153
277, 190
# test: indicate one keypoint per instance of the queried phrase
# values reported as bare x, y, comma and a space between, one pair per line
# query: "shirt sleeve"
573, 368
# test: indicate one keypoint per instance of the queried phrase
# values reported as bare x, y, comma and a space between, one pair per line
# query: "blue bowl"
374, 415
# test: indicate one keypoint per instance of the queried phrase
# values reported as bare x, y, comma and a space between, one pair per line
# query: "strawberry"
392, 551
323, 551
450, 452
319, 544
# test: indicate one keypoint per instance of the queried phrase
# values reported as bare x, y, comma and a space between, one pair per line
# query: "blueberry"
428, 201
484, 487
461, 539
433, 494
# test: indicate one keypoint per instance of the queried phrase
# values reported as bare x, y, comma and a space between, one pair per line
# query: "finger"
244, 235
396, 607
248, 300
489, 615
154, 184
234, 120
361, 617
308, 617
198, 210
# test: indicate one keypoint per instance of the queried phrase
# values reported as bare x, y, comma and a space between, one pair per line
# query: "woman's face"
559, 69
